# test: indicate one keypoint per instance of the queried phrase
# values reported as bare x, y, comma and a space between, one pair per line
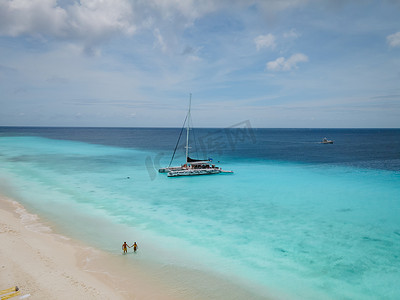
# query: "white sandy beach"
47, 265
50, 266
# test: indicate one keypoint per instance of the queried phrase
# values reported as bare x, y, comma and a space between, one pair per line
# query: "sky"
134, 63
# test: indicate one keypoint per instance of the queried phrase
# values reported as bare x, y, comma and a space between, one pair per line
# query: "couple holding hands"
125, 247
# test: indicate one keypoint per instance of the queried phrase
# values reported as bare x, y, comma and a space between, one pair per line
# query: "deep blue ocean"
303, 220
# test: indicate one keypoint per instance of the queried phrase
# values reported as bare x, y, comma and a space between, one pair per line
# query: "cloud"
159, 40
282, 64
394, 39
95, 21
291, 34
265, 41
31, 17
91, 21
98, 18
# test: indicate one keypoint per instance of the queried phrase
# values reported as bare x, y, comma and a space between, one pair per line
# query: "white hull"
326, 141
193, 172
166, 170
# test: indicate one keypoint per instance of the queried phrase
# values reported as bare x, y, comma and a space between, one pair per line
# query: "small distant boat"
326, 141
192, 166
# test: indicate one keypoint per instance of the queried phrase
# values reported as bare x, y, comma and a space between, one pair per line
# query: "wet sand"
47, 265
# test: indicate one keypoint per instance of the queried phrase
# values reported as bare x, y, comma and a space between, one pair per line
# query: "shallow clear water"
313, 221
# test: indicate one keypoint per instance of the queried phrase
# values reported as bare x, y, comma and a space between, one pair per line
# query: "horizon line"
171, 127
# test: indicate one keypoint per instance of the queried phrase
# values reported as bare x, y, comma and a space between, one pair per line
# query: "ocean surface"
298, 218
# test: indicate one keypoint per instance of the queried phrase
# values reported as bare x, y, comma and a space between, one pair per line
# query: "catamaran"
192, 166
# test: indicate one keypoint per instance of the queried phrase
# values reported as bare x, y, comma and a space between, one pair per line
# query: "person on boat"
135, 246
125, 247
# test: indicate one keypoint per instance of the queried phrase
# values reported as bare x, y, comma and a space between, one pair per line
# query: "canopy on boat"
198, 161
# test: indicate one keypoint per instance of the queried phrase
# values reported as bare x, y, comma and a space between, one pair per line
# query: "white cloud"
94, 21
97, 17
159, 40
178, 10
89, 23
394, 39
265, 41
292, 33
282, 64
31, 17
279, 5
88, 20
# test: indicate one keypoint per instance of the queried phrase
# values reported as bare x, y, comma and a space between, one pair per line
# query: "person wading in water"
135, 246
125, 247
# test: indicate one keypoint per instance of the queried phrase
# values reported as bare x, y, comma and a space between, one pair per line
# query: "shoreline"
48, 265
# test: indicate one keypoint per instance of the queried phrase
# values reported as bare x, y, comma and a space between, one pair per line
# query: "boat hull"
193, 172
166, 170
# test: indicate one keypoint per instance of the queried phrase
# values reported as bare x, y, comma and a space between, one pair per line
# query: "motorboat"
326, 141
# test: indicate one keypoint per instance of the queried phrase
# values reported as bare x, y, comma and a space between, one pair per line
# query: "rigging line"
195, 140
177, 143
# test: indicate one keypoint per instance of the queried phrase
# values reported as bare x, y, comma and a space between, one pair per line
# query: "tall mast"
187, 128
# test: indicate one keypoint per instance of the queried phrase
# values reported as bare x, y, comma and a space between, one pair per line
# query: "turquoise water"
304, 229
